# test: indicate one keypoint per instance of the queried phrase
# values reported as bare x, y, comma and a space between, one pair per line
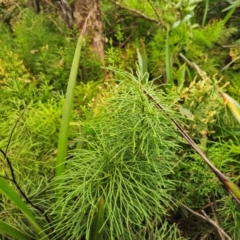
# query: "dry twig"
206, 218
160, 22
136, 12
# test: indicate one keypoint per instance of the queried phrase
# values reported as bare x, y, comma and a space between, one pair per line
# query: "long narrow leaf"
233, 5
233, 105
168, 61
6, 190
8, 230
205, 12
142, 61
63, 135
97, 221
231, 9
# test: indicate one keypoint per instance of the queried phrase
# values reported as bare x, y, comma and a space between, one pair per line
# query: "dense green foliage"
122, 152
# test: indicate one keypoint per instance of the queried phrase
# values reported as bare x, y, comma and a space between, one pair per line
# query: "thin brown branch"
160, 22
137, 12
83, 31
20, 189
207, 219
14, 180
216, 219
230, 186
13, 129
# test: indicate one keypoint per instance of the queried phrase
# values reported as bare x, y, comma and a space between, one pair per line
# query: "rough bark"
81, 8
94, 29
67, 12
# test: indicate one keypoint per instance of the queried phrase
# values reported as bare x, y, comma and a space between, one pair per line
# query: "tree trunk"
94, 30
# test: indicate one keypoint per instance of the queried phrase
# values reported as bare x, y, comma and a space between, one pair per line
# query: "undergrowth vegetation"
113, 164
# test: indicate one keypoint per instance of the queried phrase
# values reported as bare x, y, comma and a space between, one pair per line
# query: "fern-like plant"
129, 151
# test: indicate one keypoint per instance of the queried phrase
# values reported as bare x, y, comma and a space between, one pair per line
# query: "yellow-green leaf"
233, 105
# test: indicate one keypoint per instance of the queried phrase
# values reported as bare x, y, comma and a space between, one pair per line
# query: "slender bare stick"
207, 219
136, 12
223, 179
160, 22
216, 220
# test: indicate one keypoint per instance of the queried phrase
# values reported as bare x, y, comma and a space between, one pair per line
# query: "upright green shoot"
63, 135
168, 61
142, 61
205, 12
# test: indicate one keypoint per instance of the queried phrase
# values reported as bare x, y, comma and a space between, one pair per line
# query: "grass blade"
205, 12
142, 61
8, 230
168, 62
233, 105
6, 190
63, 135
231, 9
97, 221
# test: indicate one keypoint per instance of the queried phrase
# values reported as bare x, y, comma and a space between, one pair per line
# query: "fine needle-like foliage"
123, 171
128, 153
